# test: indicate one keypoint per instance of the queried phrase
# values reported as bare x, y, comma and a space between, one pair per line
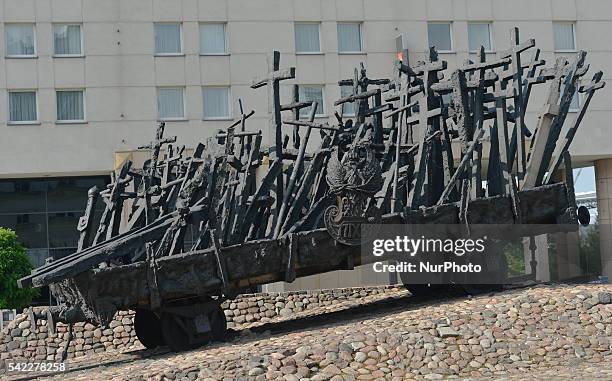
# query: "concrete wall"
120, 73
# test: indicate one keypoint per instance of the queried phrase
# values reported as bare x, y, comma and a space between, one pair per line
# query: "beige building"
83, 79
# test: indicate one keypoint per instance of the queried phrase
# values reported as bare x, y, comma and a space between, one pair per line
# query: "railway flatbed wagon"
183, 233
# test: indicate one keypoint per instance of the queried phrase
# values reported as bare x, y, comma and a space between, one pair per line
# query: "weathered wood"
549, 125
272, 81
557, 155
85, 226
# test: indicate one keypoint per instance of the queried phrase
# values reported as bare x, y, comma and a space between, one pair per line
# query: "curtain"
70, 105
167, 38
307, 38
67, 39
216, 102
170, 103
212, 38
564, 36
22, 106
349, 37
348, 109
20, 40
439, 35
312, 93
478, 35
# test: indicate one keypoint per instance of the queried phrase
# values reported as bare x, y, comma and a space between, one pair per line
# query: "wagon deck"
184, 232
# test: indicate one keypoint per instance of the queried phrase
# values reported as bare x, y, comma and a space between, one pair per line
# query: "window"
170, 103
70, 105
216, 102
479, 34
348, 109
23, 107
20, 41
67, 40
439, 35
575, 104
212, 39
168, 39
349, 37
312, 93
565, 38
307, 38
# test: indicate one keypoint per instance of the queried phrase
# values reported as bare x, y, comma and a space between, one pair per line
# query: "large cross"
589, 90
155, 147
295, 106
421, 180
272, 80
516, 48
360, 84
275, 75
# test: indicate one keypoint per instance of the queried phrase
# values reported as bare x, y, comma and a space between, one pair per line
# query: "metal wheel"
186, 332
178, 332
148, 329
218, 324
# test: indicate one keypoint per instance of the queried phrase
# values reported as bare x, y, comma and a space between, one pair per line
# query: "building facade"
81, 80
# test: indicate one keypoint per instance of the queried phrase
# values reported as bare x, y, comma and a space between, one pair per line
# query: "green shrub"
14, 264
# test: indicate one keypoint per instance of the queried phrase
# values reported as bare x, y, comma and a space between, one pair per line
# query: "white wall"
120, 73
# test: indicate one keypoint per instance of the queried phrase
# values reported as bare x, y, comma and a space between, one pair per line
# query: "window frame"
82, 54
322, 87
71, 121
318, 24
492, 45
450, 32
172, 119
579, 104
182, 51
226, 40
20, 56
8, 109
229, 103
573, 24
342, 113
360, 24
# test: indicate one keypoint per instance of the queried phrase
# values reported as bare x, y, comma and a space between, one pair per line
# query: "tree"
14, 264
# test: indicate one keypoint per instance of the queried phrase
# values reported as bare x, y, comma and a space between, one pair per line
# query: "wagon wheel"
178, 332
500, 273
218, 324
181, 332
148, 329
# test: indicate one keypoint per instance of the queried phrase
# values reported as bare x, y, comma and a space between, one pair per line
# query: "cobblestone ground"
541, 333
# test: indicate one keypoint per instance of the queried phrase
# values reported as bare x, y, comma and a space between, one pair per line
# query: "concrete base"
541, 257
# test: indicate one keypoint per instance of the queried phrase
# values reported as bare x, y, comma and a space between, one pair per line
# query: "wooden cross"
111, 217
545, 120
420, 182
557, 156
299, 161
576, 70
360, 84
516, 48
155, 147
295, 108
85, 222
430, 70
275, 75
500, 177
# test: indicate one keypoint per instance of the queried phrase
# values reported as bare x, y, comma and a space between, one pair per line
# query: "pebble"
542, 333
